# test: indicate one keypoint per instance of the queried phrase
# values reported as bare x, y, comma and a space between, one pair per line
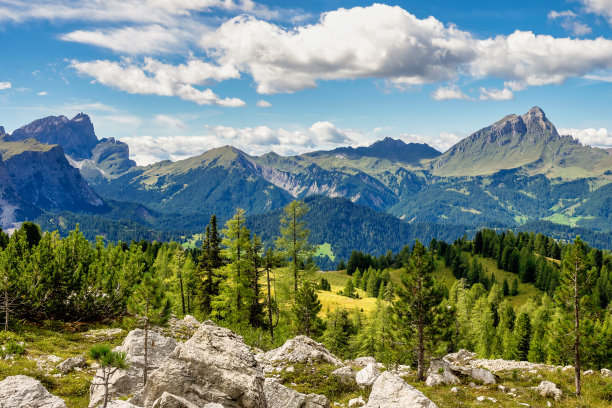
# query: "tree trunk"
6, 308
270, 305
182, 293
106, 379
577, 333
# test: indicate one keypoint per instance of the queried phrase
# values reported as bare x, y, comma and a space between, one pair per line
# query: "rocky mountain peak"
2, 131
536, 122
76, 135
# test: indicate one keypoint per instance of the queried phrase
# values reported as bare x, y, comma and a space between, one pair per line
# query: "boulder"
168, 400
212, 366
484, 375
71, 363
366, 376
390, 391
589, 372
120, 404
279, 396
440, 372
130, 381
356, 402
300, 349
606, 373
363, 361
345, 374
20, 391
549, 389
460, 358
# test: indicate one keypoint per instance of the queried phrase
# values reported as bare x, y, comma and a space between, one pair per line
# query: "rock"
501, 388
480, 398
472, 384
183, 328
589, 372
212, 366
606, 373
484, 375
440, 372
366, 376
345, 374
290, 369
191, 321
300, 349
493, 400
168, 400
20, 391
279, 396
130, 381
455, 390
460, 358
363, 361
549, 389
567, 368
401, 370
121, 404
71, 363
356, 402
390, 391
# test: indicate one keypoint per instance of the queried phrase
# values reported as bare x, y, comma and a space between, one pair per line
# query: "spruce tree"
523, 336
575, 281
349, 289
506, 287
418, 297
515, 288
208, 264
305, 311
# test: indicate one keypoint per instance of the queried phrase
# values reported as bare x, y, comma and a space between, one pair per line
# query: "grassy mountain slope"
530, 141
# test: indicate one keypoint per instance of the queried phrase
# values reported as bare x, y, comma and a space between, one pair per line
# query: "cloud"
443, 93
254, 140
363, 42
156, 78
599, 7
170, 122
493, 94
5, 85
592, 137
43, 93
569, 22
263, 104
442, 142
151, 39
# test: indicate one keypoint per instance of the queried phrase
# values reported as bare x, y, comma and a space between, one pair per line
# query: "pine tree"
349, 289
210, 261
269, 262
256, 311
506, 287
293, 242
339, 332
575, 281
109, 361
523, 336
149, 302
418, 298
515, 288
305, 311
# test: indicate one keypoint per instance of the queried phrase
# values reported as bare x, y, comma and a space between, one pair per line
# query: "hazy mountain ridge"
516, 171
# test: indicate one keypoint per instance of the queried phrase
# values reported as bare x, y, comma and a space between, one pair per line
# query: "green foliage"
305, 311
104, 355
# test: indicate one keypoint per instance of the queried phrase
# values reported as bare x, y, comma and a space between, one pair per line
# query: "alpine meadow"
267, 204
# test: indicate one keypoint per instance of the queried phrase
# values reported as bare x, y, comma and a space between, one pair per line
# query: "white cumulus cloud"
600, 7
442, 142
444, 93
593, 137
5, 85
263, 104
156, 78
496, 94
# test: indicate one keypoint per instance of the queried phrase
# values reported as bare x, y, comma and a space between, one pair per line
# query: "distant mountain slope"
388, 148
348, 226
529, 141
42, 176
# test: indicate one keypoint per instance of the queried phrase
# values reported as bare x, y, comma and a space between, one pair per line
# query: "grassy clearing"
325, 250
63, 341
332, 300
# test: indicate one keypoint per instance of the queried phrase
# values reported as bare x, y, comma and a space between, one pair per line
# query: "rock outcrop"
300, 349
390, 391
366, 376
345, 374
279, 396
549, 389
71, 363
449, 369
130, 381
20, 391
213, 366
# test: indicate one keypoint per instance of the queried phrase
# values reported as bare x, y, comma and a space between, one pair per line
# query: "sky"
174, 78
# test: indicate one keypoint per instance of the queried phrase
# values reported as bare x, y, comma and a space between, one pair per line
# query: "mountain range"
519, 171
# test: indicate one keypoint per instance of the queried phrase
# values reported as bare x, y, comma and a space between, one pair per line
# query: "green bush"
12, 347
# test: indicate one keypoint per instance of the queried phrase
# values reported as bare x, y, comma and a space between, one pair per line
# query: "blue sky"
174, 78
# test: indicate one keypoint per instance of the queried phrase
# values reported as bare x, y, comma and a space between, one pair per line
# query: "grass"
325, 250
60, 340
332, 300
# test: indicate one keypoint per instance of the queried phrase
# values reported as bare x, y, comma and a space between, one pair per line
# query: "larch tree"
293, 241
418, 297
574, 283
149, 302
